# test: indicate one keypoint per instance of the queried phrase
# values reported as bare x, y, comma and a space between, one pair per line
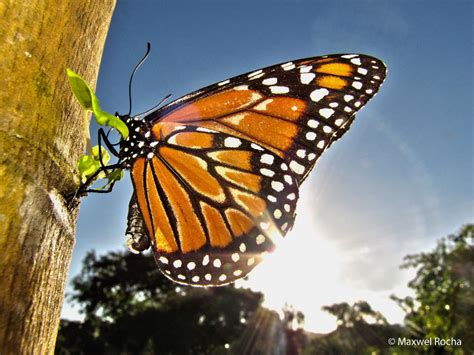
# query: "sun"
302, 272
307, 271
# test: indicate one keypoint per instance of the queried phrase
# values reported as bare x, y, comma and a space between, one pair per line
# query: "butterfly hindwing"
213, 203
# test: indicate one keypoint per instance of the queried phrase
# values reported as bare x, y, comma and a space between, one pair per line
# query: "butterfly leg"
84, 188
103, 136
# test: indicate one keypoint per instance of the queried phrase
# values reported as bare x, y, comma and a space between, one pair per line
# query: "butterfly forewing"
295, 109
213, 203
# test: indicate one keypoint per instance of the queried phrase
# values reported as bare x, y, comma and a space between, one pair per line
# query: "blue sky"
398, 181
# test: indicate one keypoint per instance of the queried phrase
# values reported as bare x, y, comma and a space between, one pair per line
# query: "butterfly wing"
295, 109
223, 180
213, 203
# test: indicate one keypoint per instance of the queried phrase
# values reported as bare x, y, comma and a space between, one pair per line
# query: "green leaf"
90, 102
106, 119
81, 90
88, 165
113, 176
105, 155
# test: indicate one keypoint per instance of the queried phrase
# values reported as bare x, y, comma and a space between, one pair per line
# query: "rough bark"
42, 135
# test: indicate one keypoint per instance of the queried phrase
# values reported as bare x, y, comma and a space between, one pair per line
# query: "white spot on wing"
279, 89
296, 167
288, 66
277, 214
291, 196
191, 265
262, 106
255, 73
277, 186
232, 142
267, 172
223, 82
202, 129
356, 61
318, 94
269, 81
256, 147
338, 122
306, 69
357, 84
301, 153
306, 78
271, 198
267, 159
257, 76
326, 112
313, 123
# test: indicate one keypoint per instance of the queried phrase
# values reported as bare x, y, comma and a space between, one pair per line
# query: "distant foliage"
444, 286
360, 330
131, 308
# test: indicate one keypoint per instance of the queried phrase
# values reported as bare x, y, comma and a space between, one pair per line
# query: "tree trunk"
42, 135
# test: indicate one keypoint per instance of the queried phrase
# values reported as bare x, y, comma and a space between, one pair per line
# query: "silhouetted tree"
360, 330
293, 321
131, 308
348, 316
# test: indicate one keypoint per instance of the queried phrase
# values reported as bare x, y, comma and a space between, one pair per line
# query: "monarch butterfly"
216, 172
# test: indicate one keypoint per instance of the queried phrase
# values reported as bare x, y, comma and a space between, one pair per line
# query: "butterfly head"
138, 143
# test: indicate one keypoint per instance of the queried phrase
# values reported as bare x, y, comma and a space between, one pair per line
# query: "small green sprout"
90, 102
89, 165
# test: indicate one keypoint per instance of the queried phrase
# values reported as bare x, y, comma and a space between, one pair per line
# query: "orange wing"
296, 109
221, 181
212, 204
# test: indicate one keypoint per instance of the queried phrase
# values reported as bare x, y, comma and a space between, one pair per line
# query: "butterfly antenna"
148, 47
156, 106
